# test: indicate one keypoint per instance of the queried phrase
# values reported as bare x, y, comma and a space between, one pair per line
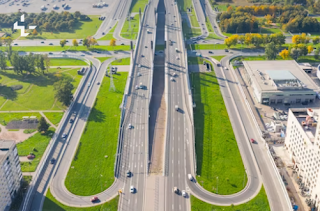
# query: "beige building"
10, 173
303, 145
279, 82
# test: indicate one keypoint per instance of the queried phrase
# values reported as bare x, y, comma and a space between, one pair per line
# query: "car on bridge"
132, 189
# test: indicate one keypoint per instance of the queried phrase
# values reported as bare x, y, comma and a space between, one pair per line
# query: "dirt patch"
17, 136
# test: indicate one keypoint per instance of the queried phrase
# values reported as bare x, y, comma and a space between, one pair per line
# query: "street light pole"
217, 184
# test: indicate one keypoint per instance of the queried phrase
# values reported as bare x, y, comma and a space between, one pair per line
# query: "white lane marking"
178, 149
178, 162
179, 175
179, 206
136, 201
172, 160
129, 201
172, 206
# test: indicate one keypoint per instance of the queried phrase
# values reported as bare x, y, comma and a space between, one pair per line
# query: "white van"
176, 107
190, 177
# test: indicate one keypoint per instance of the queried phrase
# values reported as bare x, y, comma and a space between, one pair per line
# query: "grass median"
130, 30
52, 204
67, 62
123, 61
219, 163
92, 168
36, 144
258, 203
37, 92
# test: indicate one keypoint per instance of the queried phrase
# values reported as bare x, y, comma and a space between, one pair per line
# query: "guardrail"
56, 135
125, 97
189, 96
260, 133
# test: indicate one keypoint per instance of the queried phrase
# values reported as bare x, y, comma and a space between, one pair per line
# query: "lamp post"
217, 184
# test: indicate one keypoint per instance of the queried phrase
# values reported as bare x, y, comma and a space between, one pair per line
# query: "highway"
175, 169
134, 154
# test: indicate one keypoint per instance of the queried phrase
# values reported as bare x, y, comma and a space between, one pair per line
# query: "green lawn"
270, 30
216, 146
124, 61
206, 47
131, 33
82, 30
67, 62
67, 48
218, 57
258, 203
138, 4
195, 60
28, 131
193, 19
213, 35
102, 59
5, 118
99, 139
36, 144
51, 204
109, 36
37, 92
190, 32
14, 35
54, 117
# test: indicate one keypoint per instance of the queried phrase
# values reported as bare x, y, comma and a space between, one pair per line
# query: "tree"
86, 42
271, 51
113, 42
284, 54
77, 14
43, 126
63, 90
93, 41
230, 9
46, 61
34, 32
63, 43
316, 53
75, 43
310, 49
296, 39
295, 53
316, 40
3, 61
303, 49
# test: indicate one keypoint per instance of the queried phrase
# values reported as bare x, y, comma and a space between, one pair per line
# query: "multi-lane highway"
134, 154
176, 140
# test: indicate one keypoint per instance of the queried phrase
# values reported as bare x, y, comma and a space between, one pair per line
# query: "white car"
171, 79
225, 68
177, 58
176, 107
89, 84
174, 74
139, 74
132, 189
136, 87
129, 126
184, 194
139, 65
64, 135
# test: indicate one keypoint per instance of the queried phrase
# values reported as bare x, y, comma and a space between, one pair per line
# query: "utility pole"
217, 184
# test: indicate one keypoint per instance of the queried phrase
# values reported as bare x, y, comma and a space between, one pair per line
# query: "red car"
30, 156
252, 140
93, 199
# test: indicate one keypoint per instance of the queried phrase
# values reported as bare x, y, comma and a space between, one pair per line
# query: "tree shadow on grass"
38, 79
8, 93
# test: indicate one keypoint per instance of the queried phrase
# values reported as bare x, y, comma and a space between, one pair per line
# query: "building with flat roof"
302, 142
10, 173
279, 82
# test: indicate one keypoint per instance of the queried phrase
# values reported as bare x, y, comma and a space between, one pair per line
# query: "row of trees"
298, 50
52, 21
255, 39
291, 18
304, 39
25, 63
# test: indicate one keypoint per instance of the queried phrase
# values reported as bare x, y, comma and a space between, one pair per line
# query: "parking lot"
37, 6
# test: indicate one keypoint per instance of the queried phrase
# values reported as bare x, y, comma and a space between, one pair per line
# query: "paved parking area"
74, 5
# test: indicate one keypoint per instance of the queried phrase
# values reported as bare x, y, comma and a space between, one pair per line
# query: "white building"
10, 173
303, 145
278, 82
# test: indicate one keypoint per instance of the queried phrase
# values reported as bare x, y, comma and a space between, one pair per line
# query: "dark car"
42, 42
71, 120
52, 161
50, 53
103, 33
226, 50
210, 52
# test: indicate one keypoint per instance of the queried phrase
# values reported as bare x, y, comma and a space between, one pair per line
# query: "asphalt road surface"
177, 118
134, 155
